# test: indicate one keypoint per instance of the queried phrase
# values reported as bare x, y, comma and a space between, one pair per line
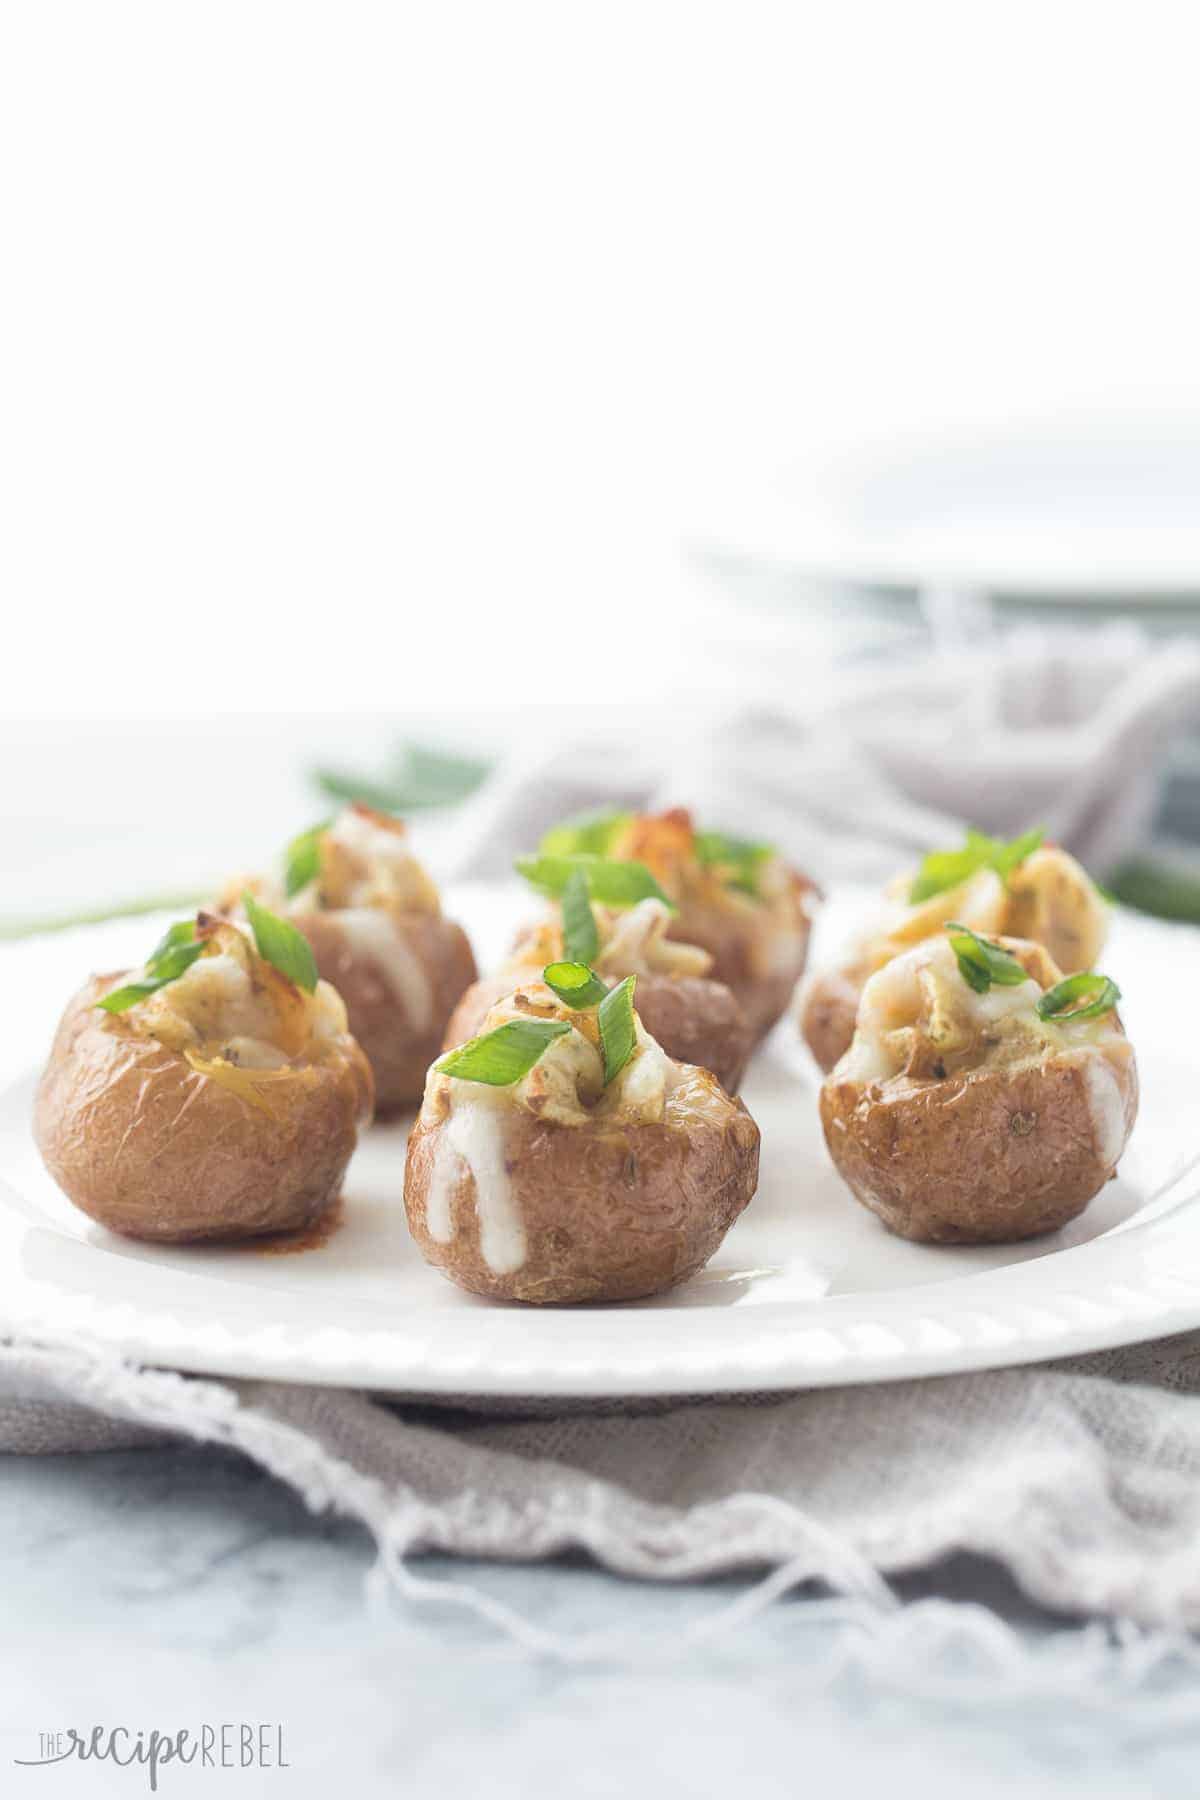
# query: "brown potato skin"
759, 961
696, 1020
145, 1145
611, 1212
987, 1157
828, 1014
398, 1055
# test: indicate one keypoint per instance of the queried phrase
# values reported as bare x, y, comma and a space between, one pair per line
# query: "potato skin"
145, 1145
987, 1157
756, 958
611, 1212
398, 1054
696, 1020
828, 1012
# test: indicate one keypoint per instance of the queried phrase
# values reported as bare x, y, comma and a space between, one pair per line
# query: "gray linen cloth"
1082, 1479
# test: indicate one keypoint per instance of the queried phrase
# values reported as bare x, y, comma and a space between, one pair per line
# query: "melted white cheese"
473, 1136
371, 933
1003, 1003
1107, 1107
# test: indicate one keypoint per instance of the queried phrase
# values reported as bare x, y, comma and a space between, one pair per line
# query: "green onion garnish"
945, 869
575, 984
302, 859
1098, 994
618, 1033
281, 944
739, 856
581, 940
587, 834
611, 883
504, 1055
175, 938
122, 998
983, 964
175, 953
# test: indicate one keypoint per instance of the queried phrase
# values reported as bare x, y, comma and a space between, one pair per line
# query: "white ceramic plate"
1073, 516
808, 1288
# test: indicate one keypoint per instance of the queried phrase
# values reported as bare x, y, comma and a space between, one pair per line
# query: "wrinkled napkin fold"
1082, 1479
868, 769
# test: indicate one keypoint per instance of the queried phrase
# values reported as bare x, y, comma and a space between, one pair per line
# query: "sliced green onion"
174, 938
281, 944
983, 964
122, 998
302, 858
1097, 994
504, 1055
611, 883
946, 869
1007, 857
581, 940
575, 984
174, 954
941, 871
587, 834
742, 858
618, 1032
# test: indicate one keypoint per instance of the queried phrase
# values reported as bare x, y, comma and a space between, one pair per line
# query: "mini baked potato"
1025, 889
562, 1156
738, 900
695, 1019
983, 1099
217, 1094
374, 920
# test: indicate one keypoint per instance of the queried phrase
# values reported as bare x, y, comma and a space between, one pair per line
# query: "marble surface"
177, 1587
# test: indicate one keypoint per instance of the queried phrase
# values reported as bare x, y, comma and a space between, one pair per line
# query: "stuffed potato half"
967, 1116
374, 920
574, 1181
223, 1102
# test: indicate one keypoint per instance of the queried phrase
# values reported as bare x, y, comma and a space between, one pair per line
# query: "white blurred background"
373, 369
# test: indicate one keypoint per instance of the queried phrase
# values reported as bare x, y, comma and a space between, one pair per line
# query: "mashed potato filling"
1049, 899
233, 1007
367, 861
636, 943
633, 942
566, 1084
1052, 899
918, 1017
